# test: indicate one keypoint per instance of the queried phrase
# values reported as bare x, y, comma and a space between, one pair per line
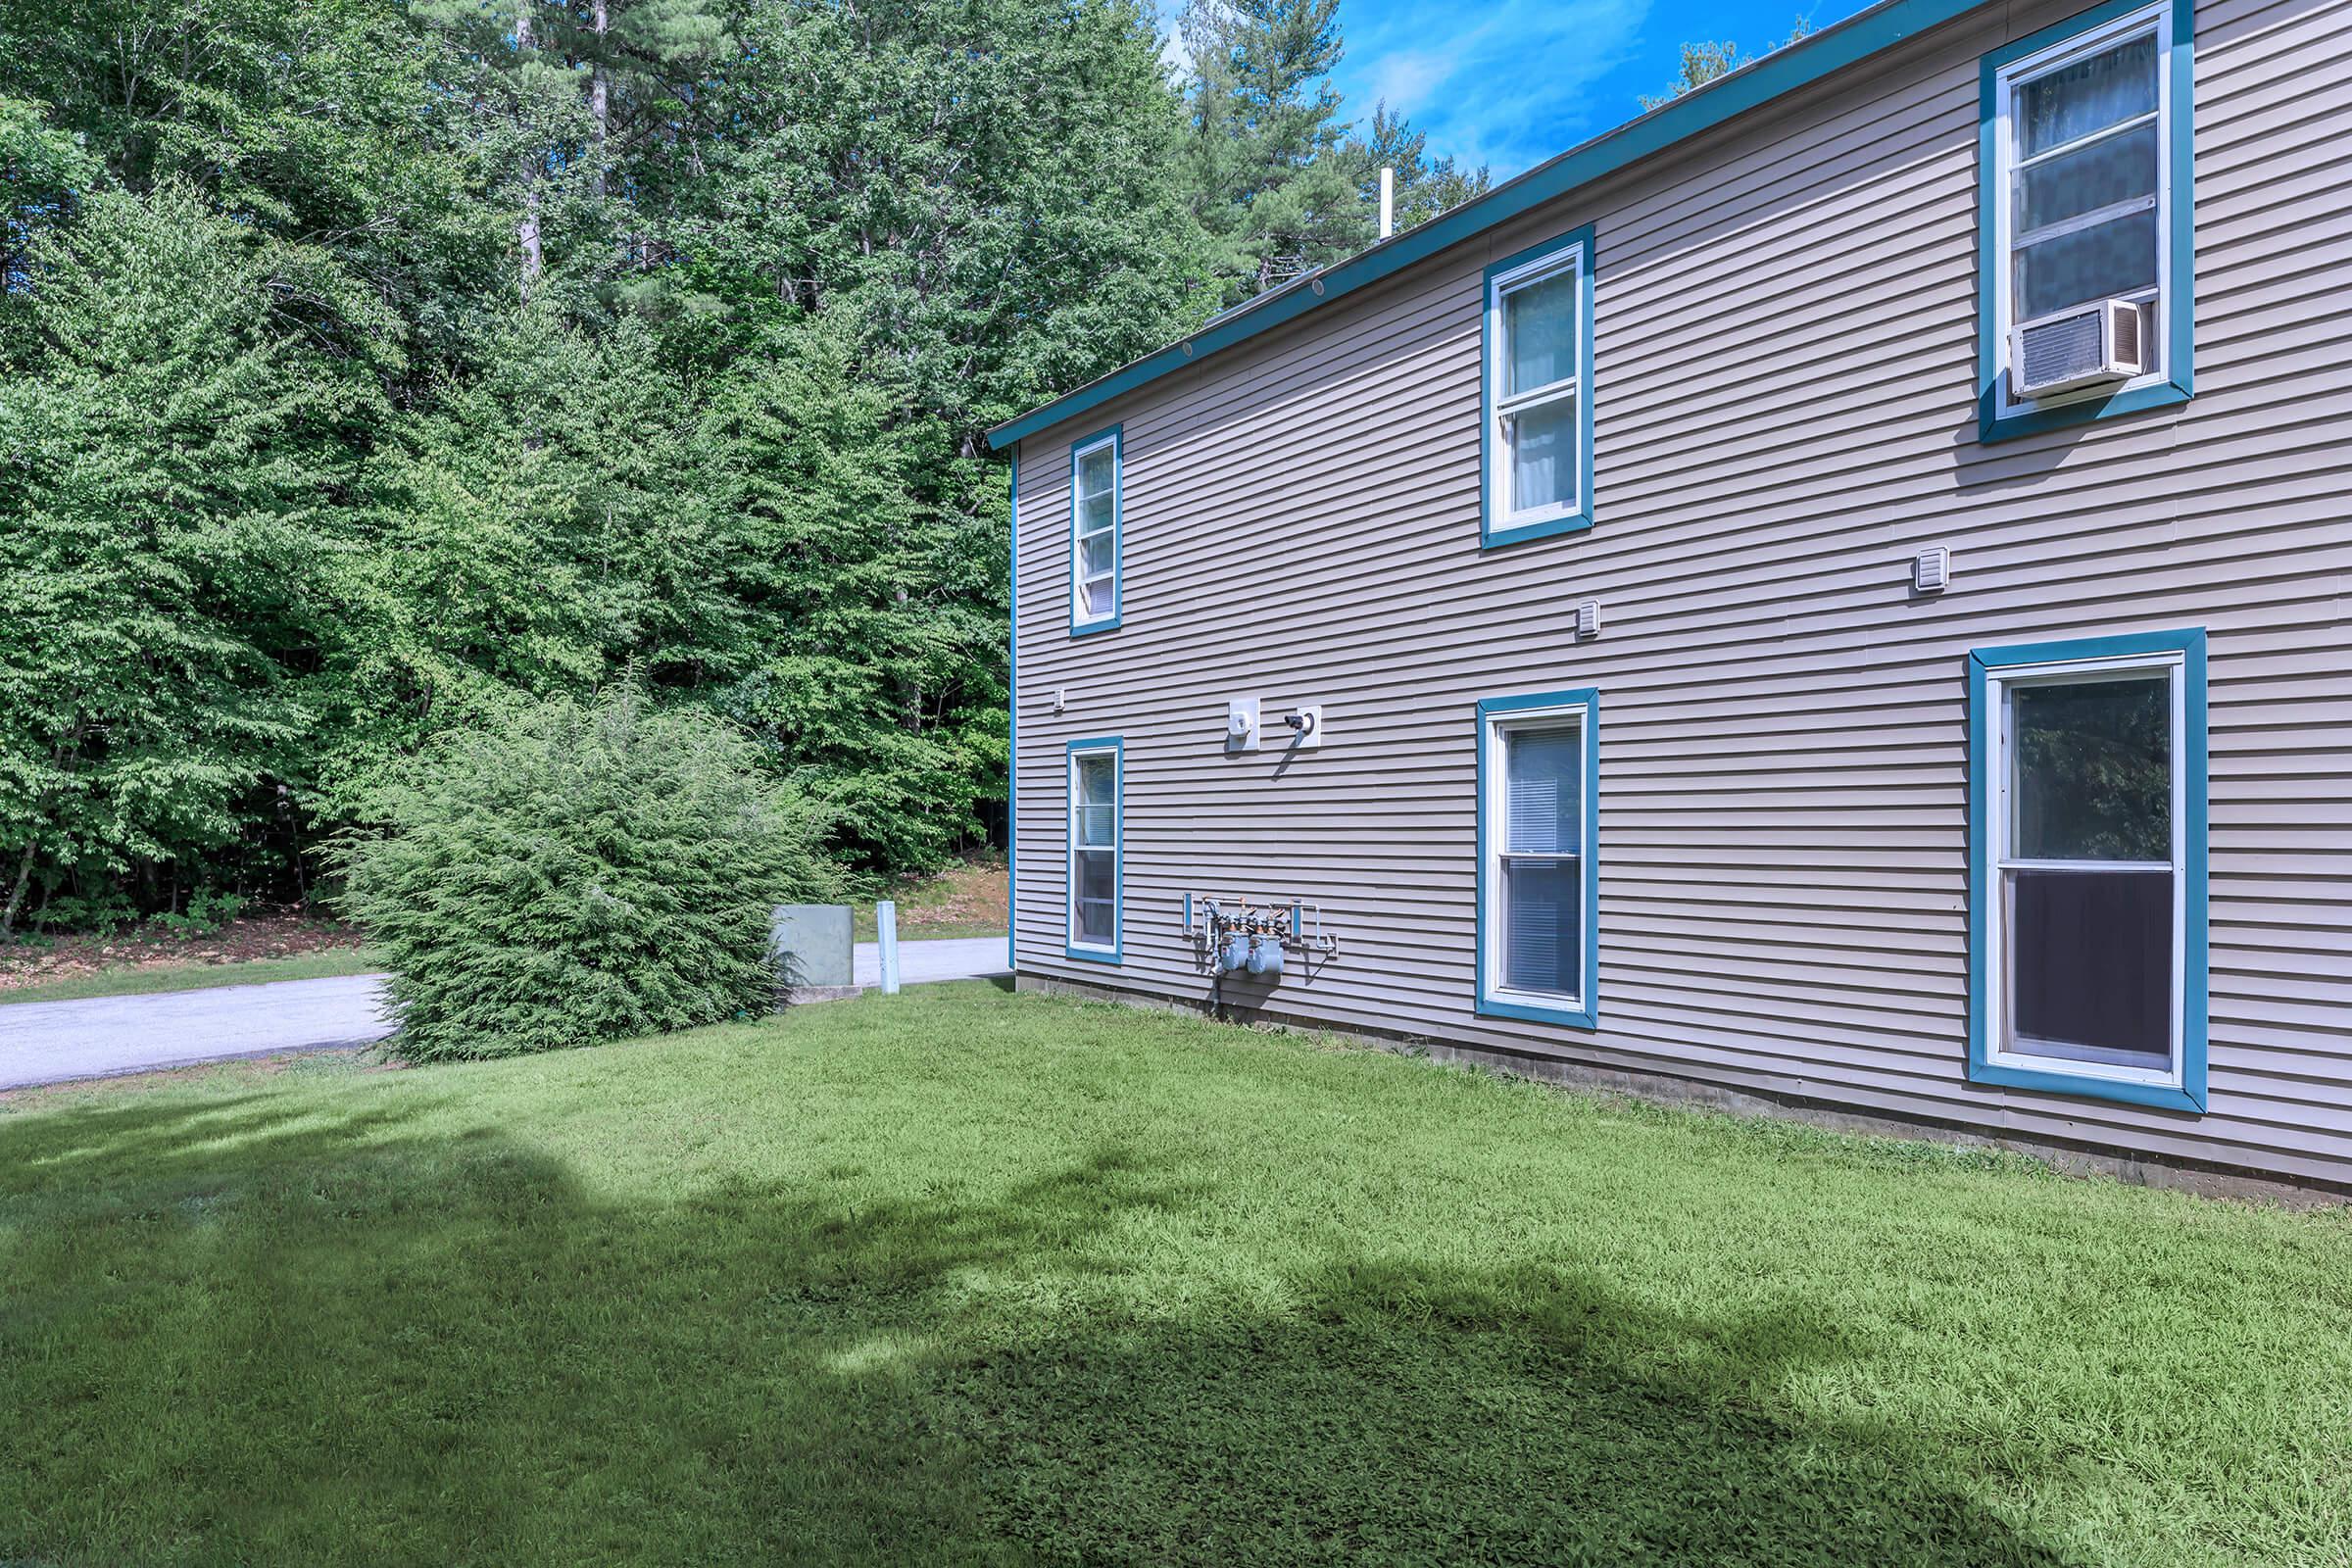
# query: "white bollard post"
886, 932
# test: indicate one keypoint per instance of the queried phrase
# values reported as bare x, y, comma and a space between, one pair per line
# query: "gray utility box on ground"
811, 948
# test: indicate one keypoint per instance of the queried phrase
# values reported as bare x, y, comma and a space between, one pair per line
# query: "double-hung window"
1094, 543
2086, 170
1097, 795
2087, 834
1537, 441
1536, 874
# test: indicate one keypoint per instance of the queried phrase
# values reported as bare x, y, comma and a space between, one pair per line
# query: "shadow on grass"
237, 1334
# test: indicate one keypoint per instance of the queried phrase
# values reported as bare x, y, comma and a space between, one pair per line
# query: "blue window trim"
1490, 529
2180, 303
1587, 1015
1012, 723
1118, 524
1118, 748
2189, 645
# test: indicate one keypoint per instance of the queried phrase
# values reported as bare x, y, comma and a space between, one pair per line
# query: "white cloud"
1171, 43
1507, 84
1405, 79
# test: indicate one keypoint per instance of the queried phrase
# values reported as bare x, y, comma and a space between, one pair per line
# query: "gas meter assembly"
1237, 936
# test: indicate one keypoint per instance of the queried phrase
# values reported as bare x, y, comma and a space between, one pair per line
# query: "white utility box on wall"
1241, 725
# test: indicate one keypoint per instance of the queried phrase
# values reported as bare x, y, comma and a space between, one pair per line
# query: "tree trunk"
599, 94
527, 233
15, 895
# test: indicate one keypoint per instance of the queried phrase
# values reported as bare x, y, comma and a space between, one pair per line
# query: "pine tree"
646, 62
566, 94
1270, 188
524, 117
989, 191
864, 685
1424, 186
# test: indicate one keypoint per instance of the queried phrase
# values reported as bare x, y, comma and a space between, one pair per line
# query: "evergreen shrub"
584, 872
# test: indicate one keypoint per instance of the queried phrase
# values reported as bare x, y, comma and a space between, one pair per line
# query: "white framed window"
1539, 414
1096, 880
1538, 876
2085, 142
1095, 532
2090, 811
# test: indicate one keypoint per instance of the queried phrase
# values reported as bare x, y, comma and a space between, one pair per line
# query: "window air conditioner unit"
2089, 345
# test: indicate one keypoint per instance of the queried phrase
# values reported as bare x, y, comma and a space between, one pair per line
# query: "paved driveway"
45, 1042
49, 1042
940, 958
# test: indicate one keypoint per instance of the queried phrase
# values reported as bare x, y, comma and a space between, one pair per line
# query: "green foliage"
985, 190
296, 482
205, 913
322, 122
882, 603
1270, 188
373, 369
42, 171
541, 523
580, 872
563, 99
41, 165
1279, 184
168, 449
1702, 63
1424, 186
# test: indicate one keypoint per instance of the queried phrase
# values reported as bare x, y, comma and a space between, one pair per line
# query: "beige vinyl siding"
1784, 398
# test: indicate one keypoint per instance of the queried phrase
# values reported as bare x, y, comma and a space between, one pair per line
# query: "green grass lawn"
126, 982
969, 1277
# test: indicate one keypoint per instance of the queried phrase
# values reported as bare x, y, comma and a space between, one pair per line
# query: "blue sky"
1512, 84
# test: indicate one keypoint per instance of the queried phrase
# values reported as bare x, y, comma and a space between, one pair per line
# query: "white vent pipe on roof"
1387, 203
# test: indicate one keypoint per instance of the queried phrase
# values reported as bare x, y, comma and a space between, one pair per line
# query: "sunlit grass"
967, 1277
129, 982
967, 899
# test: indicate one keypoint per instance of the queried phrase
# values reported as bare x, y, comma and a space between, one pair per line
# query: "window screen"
1095, 536
1094, 850
2090, 871
1541, 861
2083, 157
1537, 390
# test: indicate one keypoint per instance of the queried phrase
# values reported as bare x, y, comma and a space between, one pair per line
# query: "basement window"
1537, 878
1095, 524
1097, 795
2088, 809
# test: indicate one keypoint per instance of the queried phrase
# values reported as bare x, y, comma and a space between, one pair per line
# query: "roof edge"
1783, 72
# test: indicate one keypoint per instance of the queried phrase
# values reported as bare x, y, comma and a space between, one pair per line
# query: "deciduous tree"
174, 459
